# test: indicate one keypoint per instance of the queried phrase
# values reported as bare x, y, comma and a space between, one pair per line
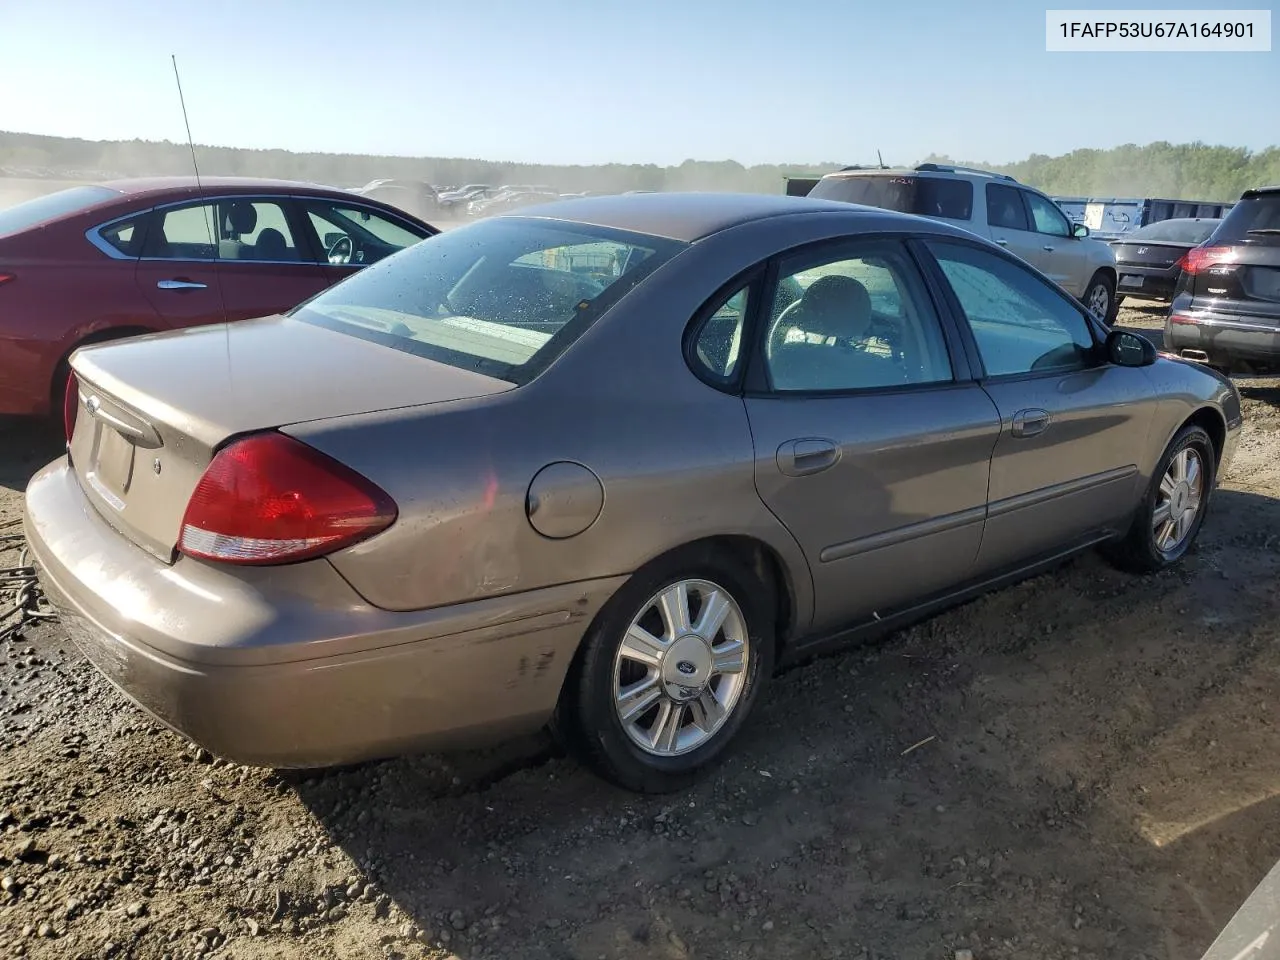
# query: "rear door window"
1005, 209
183, 233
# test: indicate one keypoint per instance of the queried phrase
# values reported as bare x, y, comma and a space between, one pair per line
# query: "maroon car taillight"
6, 278
1182, 319
268, 499
70, 405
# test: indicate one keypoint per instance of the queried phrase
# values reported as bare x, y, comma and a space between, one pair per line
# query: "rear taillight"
70, 405
1199, 259
6, 277
1182, 318
271, 499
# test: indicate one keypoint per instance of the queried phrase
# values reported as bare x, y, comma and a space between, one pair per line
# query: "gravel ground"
1095, 774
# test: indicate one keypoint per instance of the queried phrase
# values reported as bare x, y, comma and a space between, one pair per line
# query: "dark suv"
1226, 305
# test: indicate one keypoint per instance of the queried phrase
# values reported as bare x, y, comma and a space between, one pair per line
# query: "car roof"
1260, 191
688, 216
150, 186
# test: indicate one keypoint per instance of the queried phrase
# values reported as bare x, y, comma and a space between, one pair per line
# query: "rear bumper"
1158, 283
289, 667
1223, 339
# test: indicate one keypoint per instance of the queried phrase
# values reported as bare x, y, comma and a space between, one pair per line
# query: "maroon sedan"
129, 257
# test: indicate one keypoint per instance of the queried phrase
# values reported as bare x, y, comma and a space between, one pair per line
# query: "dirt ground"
1100, 778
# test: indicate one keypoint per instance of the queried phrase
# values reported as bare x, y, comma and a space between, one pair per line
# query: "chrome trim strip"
912, 531
999, 508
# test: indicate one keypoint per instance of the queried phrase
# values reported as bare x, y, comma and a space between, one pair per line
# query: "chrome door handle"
800, 458
1029, 423
1003, 243
180, 285
1047, 247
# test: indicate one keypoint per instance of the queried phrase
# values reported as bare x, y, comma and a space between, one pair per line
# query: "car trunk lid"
152, 411
1152, 253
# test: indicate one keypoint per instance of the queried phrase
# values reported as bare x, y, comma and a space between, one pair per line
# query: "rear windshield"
51, 206
503, 297
1252, 220
927, 196
1174, 231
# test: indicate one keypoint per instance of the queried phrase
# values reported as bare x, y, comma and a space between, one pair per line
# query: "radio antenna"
187, 123
881, 159
208, 222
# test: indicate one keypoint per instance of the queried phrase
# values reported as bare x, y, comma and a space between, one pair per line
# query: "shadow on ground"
26, 445
1099, 778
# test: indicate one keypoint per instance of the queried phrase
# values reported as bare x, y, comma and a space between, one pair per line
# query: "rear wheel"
1170, 515
670, 671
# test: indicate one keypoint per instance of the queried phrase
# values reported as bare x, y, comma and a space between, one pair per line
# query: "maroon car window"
233, 228
123, 235
353, 235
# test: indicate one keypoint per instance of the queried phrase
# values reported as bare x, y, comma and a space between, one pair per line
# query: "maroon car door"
230, 258
265, 263
178, 269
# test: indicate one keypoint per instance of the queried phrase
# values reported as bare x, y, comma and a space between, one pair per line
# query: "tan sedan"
607, 461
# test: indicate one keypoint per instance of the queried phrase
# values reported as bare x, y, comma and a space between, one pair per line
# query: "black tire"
1138, 551
588, 723
1100, 279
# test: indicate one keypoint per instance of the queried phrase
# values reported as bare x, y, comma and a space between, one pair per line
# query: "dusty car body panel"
221, 657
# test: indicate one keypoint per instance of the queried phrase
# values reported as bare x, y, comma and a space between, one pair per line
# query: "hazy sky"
571, 81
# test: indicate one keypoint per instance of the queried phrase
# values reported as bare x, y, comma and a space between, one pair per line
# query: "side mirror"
1126, 349
1079, 231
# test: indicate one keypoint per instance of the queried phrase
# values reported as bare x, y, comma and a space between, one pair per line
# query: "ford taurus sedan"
112, 260
600, 464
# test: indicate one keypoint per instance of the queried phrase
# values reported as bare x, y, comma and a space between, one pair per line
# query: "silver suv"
995, 206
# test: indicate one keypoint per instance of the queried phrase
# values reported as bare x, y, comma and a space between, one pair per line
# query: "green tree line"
1179, 171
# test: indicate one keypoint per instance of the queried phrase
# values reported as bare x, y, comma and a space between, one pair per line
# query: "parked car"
129, 257
1226, 305
1149, 260
992, 205
470, 490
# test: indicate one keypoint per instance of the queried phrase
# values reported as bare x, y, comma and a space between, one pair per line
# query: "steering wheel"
342, 251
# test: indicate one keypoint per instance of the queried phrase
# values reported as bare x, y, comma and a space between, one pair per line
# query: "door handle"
180, 285
800, 458
1002, 242
1029, 423
1047, 247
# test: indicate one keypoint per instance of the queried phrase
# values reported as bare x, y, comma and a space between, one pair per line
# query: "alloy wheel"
1099, 300
1179, 500
681, 668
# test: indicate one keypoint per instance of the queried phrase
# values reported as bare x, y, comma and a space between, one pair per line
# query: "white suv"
994, 206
